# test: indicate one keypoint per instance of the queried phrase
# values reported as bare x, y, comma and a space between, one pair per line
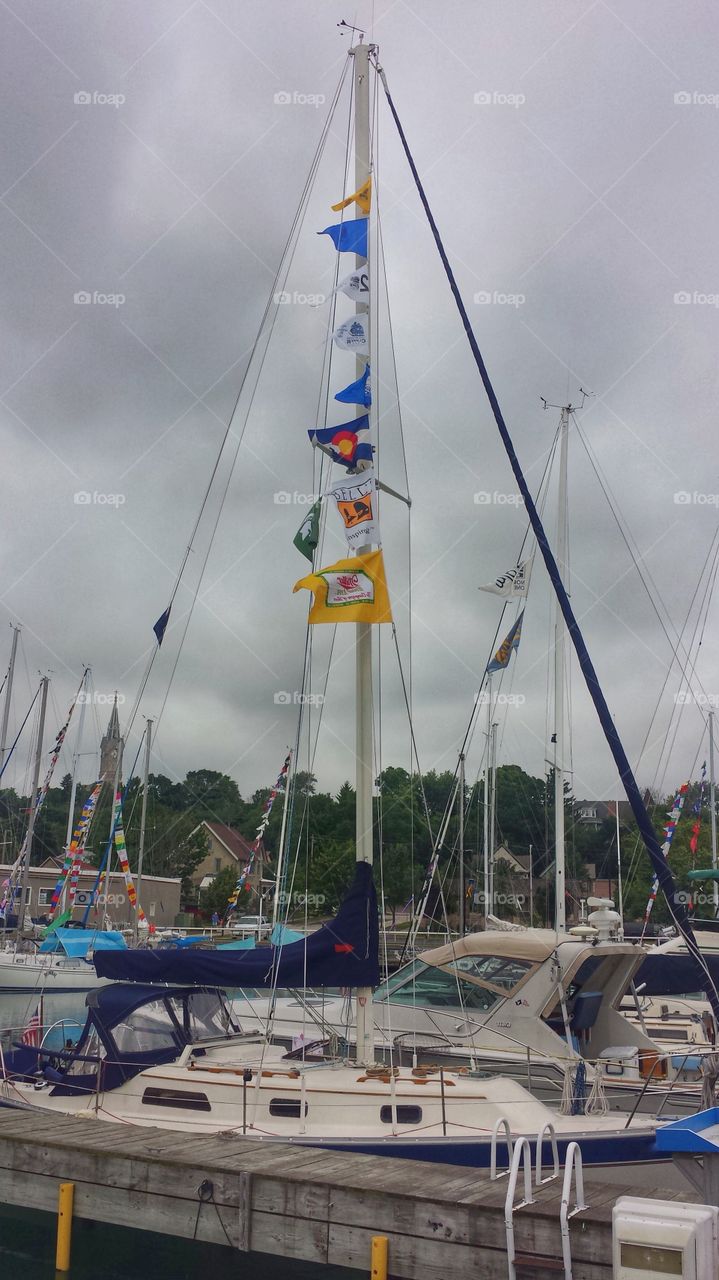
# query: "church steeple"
111, 747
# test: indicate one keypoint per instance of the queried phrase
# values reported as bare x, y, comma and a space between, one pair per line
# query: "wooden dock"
300, 1203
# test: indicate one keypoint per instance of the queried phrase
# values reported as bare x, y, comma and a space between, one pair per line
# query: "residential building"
160, 895
225, 848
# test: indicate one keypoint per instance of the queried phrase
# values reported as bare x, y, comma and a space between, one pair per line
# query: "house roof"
231, 840
520, 861
608, 808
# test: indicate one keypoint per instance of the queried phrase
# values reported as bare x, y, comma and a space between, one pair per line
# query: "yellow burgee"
352, 590
363, 198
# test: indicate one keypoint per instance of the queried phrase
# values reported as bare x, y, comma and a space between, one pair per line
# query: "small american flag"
32, 1035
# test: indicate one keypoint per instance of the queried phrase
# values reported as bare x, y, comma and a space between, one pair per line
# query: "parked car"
250, 926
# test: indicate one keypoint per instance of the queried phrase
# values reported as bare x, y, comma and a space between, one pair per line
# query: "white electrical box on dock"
652, 1239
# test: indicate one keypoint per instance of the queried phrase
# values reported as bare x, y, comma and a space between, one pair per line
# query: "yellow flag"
363, 198
352, 590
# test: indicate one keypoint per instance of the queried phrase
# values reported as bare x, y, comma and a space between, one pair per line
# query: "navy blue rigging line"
677, 910
22, 726
108, 849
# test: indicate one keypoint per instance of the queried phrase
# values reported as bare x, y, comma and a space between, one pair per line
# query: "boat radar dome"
604, 918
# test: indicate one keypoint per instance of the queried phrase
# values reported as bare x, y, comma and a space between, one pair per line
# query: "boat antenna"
348, 27
570, 408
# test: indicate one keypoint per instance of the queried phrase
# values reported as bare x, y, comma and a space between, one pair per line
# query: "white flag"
355, 285
356, 499
352, 335
513, 583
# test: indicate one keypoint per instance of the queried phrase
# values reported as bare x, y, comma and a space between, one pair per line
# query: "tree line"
409, 812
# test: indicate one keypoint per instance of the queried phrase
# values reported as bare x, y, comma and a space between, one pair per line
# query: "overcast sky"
569, 154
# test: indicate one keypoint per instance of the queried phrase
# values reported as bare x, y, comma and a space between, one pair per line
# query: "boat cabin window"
180, 1099
147, 1029
429, 987
397, 980
405, 1114
204, 1015
92, 1048
501, 971
289, 1108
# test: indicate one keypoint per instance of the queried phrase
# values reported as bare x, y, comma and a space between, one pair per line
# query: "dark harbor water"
27, 1252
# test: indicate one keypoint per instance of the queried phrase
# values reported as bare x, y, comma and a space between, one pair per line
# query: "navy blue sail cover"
342, 953
670, 973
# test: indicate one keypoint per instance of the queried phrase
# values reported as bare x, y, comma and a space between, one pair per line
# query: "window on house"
44, 897
218, 864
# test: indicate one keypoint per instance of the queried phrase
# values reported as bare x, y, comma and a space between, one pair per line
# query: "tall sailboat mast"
363, 643
559, 662
8, 696
462, 891
143, 816
76, 758
713, 809
24, 892
486, 898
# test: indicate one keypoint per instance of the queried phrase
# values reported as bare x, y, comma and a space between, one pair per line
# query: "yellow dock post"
380, 1247
66, 1192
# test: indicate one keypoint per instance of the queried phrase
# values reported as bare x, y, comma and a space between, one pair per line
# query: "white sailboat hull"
47, 975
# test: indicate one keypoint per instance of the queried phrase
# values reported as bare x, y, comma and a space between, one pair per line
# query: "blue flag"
344, 442
349, 237
161, 624
359, 392
504, 652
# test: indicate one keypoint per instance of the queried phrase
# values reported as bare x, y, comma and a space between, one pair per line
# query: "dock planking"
296, 1202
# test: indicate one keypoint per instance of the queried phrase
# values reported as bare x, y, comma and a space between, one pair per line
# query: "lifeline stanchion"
380, 1249
65, 1195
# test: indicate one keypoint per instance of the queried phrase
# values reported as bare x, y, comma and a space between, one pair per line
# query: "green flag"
56, 924
308, 534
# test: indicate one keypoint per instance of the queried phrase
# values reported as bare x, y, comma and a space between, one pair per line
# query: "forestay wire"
677, 909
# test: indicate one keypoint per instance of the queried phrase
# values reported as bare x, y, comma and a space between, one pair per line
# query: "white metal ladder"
520, 1157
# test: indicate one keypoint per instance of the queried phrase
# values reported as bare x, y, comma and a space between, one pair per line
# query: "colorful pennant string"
266, 811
